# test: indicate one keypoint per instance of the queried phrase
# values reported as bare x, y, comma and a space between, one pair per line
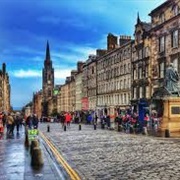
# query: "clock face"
49, 82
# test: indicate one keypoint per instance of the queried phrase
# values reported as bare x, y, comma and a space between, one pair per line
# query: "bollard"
79, 127
167, 133
119, 128
36, 158
48, 128
34, 144
64, 127
26, 143
94, 126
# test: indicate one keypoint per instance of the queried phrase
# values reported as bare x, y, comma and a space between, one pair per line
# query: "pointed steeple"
138, 18
48, 57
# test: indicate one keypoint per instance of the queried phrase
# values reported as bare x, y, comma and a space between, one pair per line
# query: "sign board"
32, 134
175, 110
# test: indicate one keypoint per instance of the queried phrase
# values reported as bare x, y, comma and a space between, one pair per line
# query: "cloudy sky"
74, 28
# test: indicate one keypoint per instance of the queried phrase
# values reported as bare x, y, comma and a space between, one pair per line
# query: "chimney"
80, 66
124, 39
100, 52
4, 68
111, 42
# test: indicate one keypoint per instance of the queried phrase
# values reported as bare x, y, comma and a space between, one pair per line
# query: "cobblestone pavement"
110, 155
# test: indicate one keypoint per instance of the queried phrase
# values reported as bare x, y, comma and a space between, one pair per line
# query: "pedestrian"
10, 124
17, 122
35, 121
1, 124
68, 119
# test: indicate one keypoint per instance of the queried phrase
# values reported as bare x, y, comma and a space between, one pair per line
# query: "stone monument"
170, 96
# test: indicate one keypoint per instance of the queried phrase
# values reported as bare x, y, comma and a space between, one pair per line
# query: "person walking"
68, 118
10, 124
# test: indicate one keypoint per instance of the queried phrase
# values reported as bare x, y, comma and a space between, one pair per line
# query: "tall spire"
138, 18
48, 57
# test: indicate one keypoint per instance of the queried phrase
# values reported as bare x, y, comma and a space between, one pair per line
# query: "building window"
147, 91
138, 37
161, 70
146, 71
175, 64
92, 70
135, 93
134, 74
174, 39
140, 54
140, 73
124, 98
175, 10
162, 17
140, 92
162, 44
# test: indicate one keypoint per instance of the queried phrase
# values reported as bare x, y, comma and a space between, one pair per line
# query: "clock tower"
47, 81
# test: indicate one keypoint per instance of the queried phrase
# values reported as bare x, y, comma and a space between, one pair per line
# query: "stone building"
165, 35
5, 90
114, 76
72, 91
85, 100
48, 82
141, 65
91, 81
78, 87
37, 104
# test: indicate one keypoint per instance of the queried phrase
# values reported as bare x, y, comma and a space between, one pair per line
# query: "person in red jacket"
68, 119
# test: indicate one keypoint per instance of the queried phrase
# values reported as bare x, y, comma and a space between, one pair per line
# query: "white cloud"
61, 72
21, 73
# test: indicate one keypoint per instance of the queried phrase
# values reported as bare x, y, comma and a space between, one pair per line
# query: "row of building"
5, 90
124, 76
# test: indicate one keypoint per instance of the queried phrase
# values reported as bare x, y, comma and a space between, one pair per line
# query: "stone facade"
5, 90
78, 87
141, 77
37, 104
91, 81
165, 35
114, 78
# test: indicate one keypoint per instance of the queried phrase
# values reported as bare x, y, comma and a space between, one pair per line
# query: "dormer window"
162, 17
175, 10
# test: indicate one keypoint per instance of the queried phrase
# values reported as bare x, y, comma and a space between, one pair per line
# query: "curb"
73, 175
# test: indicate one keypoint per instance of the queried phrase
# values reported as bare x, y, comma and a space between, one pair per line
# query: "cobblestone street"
107, 155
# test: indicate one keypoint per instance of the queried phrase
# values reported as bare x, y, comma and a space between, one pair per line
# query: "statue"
171, 81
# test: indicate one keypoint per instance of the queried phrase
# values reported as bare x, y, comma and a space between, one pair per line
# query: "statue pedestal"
171, 117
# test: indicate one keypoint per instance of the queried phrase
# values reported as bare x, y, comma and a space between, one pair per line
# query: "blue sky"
74, 28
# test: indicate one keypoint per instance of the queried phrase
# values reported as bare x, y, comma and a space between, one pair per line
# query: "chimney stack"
111, 42
124, 39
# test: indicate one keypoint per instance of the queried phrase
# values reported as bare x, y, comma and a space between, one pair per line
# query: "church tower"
47, 81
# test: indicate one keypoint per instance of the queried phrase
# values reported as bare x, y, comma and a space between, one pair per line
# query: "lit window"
174, 38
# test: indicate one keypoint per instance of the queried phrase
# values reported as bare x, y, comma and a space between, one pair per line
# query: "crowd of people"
11, 122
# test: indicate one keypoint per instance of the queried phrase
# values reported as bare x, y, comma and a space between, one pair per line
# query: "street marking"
73, 175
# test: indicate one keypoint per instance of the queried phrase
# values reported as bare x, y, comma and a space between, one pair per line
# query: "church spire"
138, 18
48, 57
